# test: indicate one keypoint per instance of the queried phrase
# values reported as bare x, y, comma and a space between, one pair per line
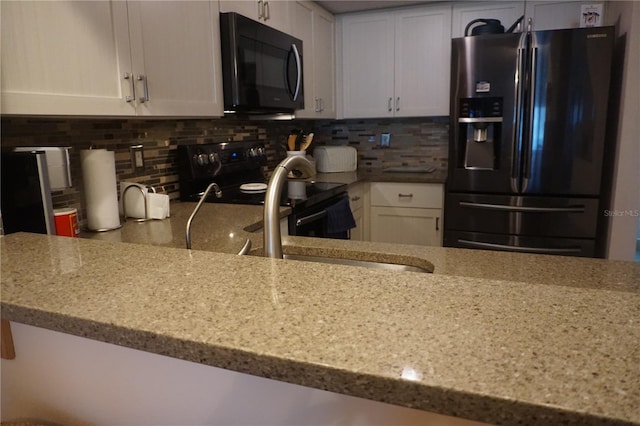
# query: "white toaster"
333, 159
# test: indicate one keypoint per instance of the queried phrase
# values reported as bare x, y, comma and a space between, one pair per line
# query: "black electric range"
232, 165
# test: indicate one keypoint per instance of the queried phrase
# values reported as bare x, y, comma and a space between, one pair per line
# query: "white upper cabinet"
367, 65
422, 61
175, 48
316, 28
274, 13
396, 63
65, 58
552, 15
463, 13
111, 58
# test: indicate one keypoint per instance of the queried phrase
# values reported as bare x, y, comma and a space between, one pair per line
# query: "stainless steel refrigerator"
527, 141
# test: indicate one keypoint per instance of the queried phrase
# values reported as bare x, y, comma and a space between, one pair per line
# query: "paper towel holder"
144, 197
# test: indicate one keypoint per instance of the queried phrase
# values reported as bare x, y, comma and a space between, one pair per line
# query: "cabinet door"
316, 28
176, 57
65, 58
367, 65
302, 28
274, 13
553, 15
422, 61
404, 225
252, 9
463, 13
324, 47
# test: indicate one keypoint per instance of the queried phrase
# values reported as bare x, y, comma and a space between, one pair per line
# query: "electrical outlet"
385, 140
137, 156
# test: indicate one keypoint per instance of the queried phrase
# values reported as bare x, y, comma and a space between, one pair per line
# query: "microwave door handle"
296, 55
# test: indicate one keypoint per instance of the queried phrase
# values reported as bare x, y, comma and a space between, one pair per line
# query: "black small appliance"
261, 67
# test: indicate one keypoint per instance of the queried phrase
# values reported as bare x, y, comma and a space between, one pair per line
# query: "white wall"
623, 229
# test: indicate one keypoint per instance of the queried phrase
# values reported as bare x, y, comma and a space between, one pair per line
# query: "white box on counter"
334, 159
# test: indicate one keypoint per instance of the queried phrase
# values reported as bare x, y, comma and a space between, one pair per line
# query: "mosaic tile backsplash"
414, 142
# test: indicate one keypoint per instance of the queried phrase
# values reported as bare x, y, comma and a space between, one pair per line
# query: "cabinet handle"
437, 223
389, 104
260, 9
145, 97
321, 104
317, 104
405, 195
132, 97
356, 198
267, 14
398, 103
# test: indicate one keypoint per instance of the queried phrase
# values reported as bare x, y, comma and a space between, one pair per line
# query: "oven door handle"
311, 218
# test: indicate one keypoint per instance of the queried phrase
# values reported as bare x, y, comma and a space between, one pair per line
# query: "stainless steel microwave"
261, 67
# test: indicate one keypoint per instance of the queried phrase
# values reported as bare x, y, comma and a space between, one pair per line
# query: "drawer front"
418, 195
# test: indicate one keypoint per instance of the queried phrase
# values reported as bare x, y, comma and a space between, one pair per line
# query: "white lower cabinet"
406, 213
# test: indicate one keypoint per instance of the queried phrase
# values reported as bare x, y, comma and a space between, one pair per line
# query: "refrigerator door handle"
526, 169
523, 209
517, 129
540, 250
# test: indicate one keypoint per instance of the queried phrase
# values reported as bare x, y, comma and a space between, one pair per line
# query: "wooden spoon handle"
307, 142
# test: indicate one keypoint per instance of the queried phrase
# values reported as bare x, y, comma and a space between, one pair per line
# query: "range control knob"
214, 158
262, 152
202, 159
253, 152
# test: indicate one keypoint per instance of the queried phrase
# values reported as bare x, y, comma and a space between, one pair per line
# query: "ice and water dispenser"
480, 124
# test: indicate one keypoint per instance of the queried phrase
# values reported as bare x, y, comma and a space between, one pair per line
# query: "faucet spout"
216, 190
272, 239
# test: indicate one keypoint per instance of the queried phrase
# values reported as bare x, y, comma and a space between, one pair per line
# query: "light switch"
137, 157
385, 140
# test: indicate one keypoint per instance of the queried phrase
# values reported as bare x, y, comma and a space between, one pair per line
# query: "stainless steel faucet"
216, 189
272, 240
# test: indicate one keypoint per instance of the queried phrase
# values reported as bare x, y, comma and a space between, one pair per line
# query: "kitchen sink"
353, 262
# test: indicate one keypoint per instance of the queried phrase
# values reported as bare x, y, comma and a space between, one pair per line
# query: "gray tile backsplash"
414, 142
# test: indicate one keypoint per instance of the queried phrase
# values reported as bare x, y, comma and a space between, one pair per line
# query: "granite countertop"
504, 338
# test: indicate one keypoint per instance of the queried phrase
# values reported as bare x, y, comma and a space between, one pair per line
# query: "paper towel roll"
100, 189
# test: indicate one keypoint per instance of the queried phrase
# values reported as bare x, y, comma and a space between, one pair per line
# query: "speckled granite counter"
530, 347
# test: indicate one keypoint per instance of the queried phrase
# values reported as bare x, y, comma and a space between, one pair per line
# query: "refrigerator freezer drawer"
515, 243
522, 215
